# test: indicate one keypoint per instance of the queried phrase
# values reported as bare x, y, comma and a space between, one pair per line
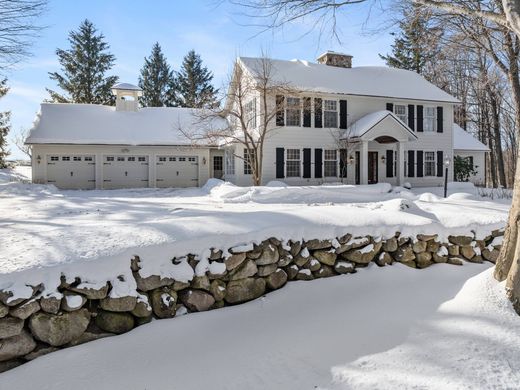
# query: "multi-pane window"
65, 158
55, 158
429, 119
76, 158
330, 163
131, 158
120, 158
293, 112
293, 163
400, 111
182, 158
141, 159
172, 159
250, 111
110, 158
162, 159
230, 162
248, 170
429, 163
88, 158
192, 159
330, 113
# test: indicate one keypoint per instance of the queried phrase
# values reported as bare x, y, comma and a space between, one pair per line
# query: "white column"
400, 163
364, 162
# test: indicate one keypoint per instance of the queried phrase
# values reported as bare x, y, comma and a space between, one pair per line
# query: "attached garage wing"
125, 171
72, 171
177, 171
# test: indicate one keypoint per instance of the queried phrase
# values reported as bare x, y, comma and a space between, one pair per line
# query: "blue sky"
217, 30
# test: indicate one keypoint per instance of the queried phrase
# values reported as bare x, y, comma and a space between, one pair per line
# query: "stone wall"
33, 327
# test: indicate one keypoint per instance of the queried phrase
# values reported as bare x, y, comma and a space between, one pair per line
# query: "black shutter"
306, 163
420, 118
318, 163
343, 162
342, 114
420, 163
389, 163
280, 111
390, 107
440, 163
280, 156
411, 163
306, 112
317, 113
411, 116
440, 120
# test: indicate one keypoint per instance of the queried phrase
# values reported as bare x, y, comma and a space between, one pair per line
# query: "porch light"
39, 159
383, 159
351, 159
203, 160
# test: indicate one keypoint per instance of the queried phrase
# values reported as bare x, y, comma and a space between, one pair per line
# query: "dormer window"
293, 112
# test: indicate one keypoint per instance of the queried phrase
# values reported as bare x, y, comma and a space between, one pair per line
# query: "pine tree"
4, 127
83, 68
193, 85
156, 80
416, 44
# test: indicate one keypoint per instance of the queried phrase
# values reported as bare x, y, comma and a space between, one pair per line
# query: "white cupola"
126, 96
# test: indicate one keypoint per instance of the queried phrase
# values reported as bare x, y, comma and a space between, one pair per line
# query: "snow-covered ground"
445, 327
45, 232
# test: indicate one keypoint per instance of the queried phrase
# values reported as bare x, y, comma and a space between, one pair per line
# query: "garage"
125, 171
72, 171
177, 171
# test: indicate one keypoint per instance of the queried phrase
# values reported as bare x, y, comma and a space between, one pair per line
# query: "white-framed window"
65, 158
293, 112
229, 158
400, 111
162, 159
330, 163
429, 164
55, 158
248, 170
429, 118
250, 113
330, 113
293, 163
141, 159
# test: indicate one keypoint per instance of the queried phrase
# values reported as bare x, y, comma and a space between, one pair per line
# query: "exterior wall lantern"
383, 159
447, 162
39, 159
351, 159
203, 160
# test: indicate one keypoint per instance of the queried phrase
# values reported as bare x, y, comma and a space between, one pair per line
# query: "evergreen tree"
156, 80
83, 68
4, 127
193, 85
416, 44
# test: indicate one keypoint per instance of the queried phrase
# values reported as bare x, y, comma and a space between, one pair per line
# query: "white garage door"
125, 171
72, 171
177, 171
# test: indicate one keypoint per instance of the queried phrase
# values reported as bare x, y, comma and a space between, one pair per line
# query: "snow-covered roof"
462, 140
101, 125
362, 80
369, 121
126, 87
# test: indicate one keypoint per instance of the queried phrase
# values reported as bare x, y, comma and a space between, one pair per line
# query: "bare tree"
251, 110
19, 141
18, 27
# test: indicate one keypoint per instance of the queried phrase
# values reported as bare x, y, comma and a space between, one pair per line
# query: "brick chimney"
332, 58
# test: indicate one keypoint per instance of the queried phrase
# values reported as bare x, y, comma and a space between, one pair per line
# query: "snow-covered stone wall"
76, 313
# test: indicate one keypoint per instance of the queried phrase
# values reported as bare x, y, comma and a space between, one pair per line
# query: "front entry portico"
380, 139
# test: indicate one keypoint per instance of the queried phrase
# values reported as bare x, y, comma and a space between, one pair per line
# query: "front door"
372, 167
218, 167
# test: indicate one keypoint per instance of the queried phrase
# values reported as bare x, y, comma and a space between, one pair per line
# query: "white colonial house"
357, 125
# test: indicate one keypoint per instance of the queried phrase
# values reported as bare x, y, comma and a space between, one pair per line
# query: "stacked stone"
79, 313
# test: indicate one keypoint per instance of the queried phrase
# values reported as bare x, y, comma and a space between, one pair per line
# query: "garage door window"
141, 159
88, 158
110, 158
192, 159
65, 158
55, 158
120, 159
182, 158
162, 159
131, 158
76, 158
173, 158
